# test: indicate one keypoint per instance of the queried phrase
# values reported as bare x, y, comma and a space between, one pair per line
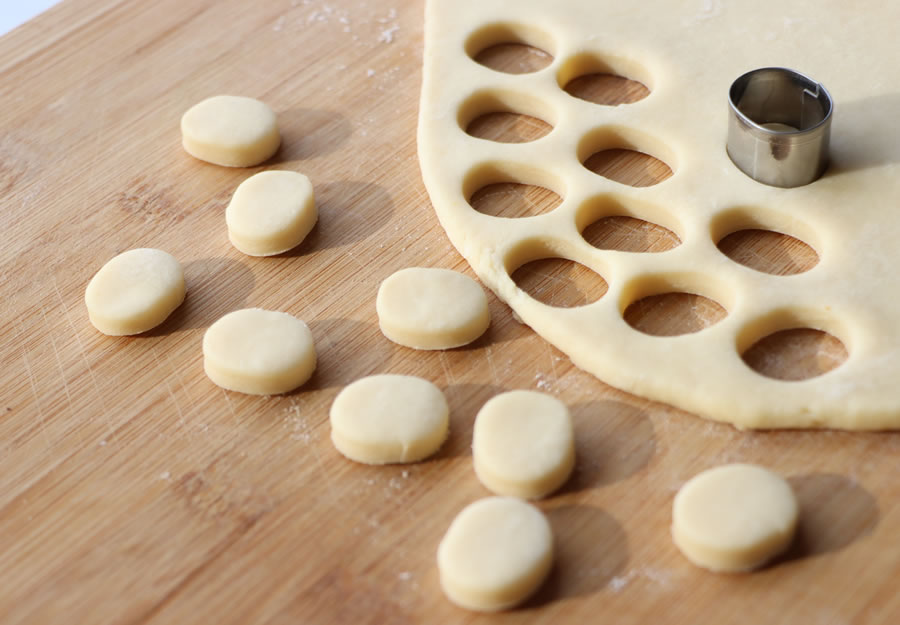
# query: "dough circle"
523, 445
734, 518
386, 419
134, 292
229, 130
259, 352
430, 308
495, 554
271, 212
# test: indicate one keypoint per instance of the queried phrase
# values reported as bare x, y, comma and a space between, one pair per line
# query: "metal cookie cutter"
779, 125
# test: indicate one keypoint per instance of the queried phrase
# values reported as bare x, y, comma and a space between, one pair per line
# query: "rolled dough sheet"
687, 54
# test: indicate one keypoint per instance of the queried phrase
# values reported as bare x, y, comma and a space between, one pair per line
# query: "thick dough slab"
523, 445
389, 418
495, 554
230, 130
687, 53
271, 212
259, 352
734, 518
134, 292
430, 308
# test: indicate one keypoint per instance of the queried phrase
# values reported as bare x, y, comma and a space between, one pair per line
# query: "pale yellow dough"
523, 445
259, 352
734, 518
134, 292
271, 212
386, 419
229, 130
429, 308
687, 54
495, 554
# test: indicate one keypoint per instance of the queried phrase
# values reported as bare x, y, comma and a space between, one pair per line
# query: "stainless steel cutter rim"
820, 90
794, 152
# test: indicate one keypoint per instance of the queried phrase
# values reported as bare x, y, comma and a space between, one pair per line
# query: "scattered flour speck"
387, 35
541, 382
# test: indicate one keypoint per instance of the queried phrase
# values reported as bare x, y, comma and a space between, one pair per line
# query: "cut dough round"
495, 554
271, 212
134, 292
230, 130
259, 352
523, 445
734, 517
385, 419
428, 308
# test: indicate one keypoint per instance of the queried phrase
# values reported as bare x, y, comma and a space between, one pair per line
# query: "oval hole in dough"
560, 282
761, 218
495, 554
674, 304
769, 252
620, 222
514, 58
673, 314
497, 172
636, 169
795, 354
626, 156
604, 79
134, 292
383, 419
508, 127
629, 234
505, 116
511, 48
514, 200
606, 89
734, 518
795, 343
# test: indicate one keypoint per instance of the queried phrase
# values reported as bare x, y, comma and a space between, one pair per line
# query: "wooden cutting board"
135, 491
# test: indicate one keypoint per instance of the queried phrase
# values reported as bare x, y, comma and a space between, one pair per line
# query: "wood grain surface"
136, 491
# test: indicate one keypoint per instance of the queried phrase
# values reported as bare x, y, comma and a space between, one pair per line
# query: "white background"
15, 12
